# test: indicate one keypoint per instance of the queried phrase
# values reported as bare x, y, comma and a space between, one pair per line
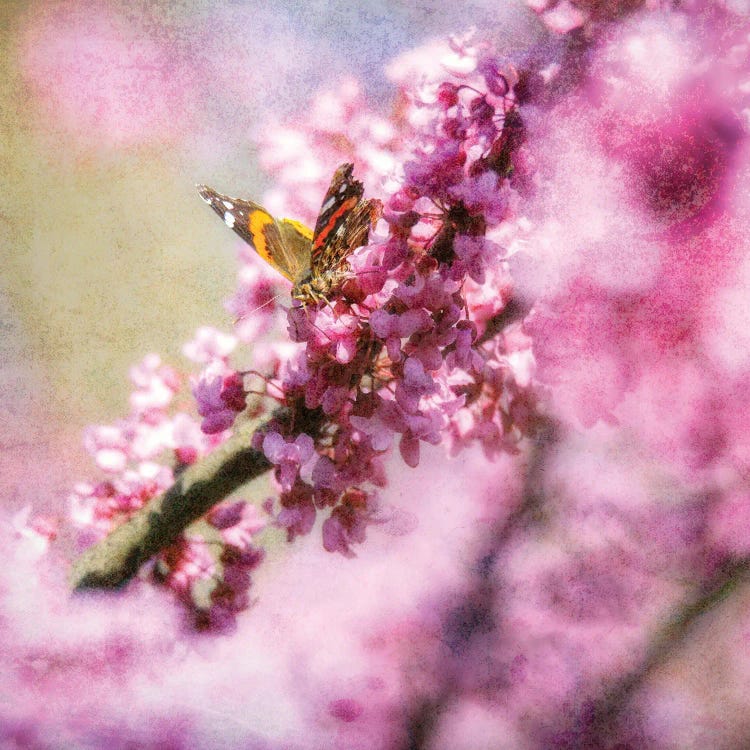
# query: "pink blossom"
347, 523
109, 447
230, 596
375, 427
464, 355
188, 561
341, 332
561, 17
288, 456
416, 383
38, 532
238, 523
435, 172
395, 327
189, 442
483, 194
220, 396
473, 255
103, 505
209, 345
155, 384
297, 514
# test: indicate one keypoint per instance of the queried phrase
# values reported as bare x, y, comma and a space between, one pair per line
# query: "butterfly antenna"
260, 307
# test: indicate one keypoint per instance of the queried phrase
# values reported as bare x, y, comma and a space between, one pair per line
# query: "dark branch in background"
469, 622
117, 558
601, 720
466, 624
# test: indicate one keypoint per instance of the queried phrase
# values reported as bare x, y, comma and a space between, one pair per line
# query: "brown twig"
604, 715
515, 310
116, 559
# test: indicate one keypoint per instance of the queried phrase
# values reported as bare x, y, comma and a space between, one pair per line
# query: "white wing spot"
228, 204
330, 202
343, 188
229, 219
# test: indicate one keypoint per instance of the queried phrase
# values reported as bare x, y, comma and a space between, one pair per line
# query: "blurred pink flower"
208, 345
220, 396
97, 71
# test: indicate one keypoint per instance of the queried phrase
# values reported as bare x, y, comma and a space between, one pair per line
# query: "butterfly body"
313, 260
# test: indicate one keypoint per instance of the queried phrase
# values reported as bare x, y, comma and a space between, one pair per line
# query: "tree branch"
516, 309
116, 558
603, 716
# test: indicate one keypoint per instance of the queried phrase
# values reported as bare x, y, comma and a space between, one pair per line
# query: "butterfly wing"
314, 261
357, 225
283, 244
328, 247
344, 221
297, 239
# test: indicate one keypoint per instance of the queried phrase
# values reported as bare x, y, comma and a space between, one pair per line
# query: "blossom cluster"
140, 457
400, 353
405, 351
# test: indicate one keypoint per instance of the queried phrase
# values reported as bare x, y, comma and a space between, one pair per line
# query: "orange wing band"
346, 206
257, 221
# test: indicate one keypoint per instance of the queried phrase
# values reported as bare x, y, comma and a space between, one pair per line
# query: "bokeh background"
111, 112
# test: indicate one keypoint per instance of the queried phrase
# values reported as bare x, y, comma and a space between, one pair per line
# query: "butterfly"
313, 260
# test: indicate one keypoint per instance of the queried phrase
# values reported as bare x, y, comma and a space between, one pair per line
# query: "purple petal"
274, 447
409, 447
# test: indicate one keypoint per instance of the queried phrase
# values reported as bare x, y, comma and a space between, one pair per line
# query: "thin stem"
516, 309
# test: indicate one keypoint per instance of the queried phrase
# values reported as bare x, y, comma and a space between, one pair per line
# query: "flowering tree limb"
117, 558
422, 341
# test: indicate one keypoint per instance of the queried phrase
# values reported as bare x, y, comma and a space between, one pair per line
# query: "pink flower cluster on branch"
399, 354
396, 357
135, 456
